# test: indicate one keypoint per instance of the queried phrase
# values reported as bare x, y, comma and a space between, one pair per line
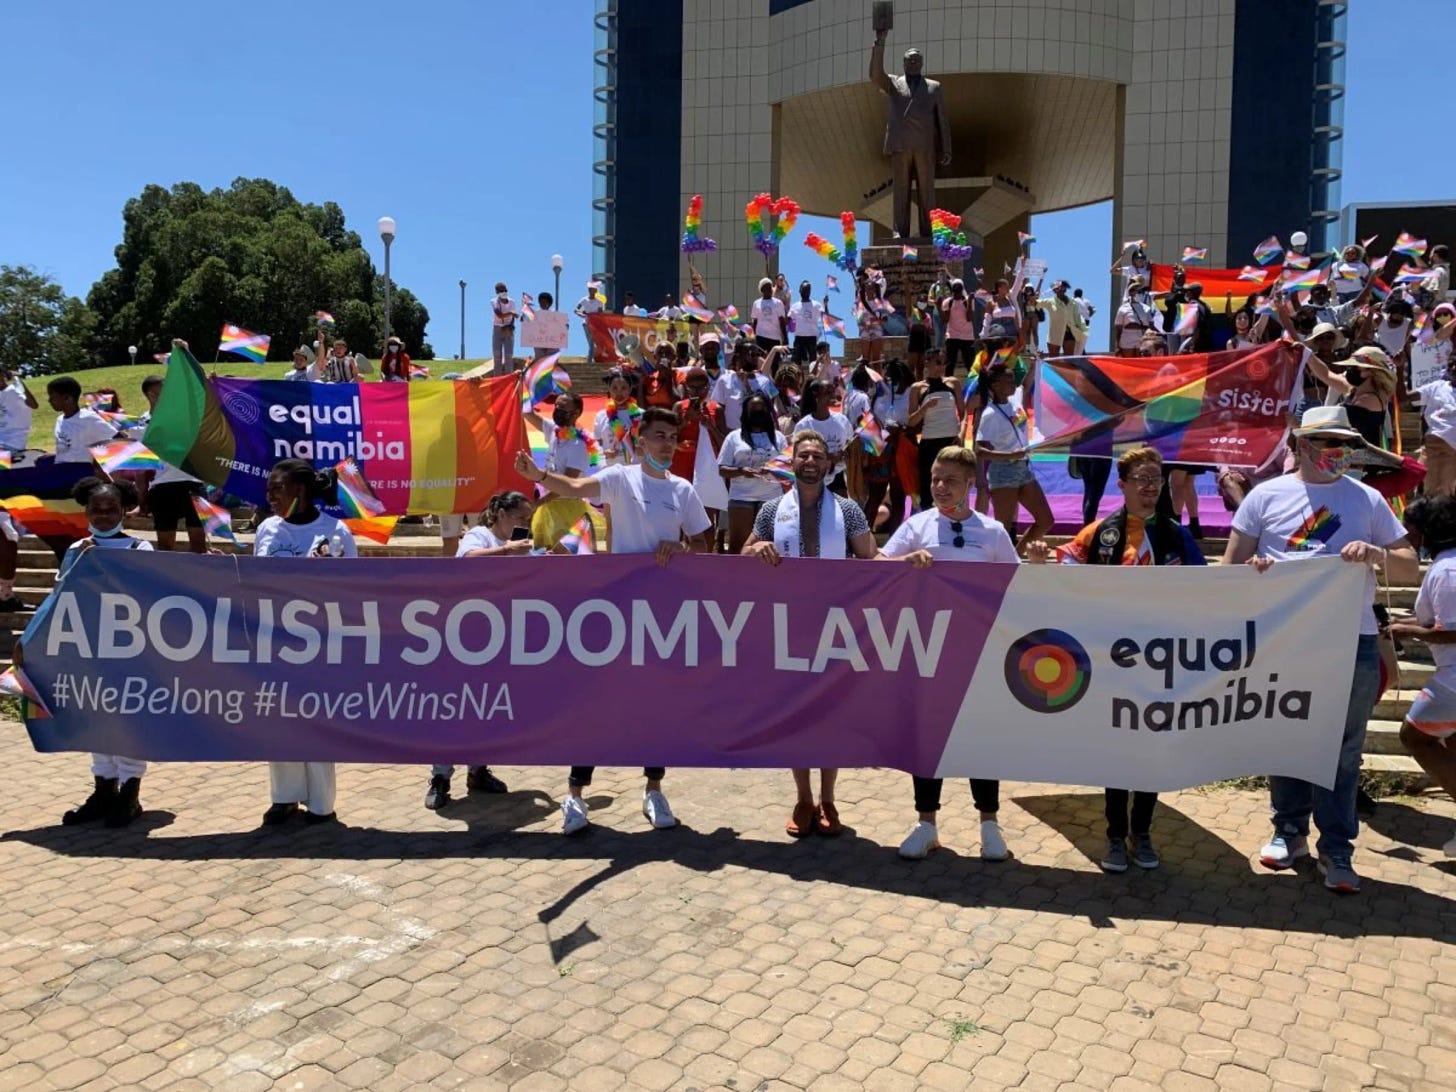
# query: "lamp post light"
131, 349
462, 320
386, 232
557, 262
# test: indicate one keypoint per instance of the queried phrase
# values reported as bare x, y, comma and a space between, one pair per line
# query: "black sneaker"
96, 806
278, 814
439, 794
15, 605
482, 780
314, 819
126, 805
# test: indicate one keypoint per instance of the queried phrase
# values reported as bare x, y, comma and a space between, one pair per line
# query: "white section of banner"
1161, 679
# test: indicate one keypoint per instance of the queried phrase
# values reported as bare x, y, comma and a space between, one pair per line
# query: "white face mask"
96, 532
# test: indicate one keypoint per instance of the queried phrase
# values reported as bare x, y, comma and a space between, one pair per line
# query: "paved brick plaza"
479, 949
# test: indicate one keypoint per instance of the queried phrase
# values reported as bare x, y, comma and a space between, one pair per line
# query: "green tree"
191, 260
42, 330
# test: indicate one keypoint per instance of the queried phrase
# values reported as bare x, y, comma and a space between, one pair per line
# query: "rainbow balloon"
693, 242
952, 244
769, 221
851, 242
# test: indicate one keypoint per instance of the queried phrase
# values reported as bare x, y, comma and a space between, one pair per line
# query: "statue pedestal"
905, 280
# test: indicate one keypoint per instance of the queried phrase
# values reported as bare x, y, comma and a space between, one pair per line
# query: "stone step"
1382, 737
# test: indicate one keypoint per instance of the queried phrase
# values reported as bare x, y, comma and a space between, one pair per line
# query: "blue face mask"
660, 467
96, 532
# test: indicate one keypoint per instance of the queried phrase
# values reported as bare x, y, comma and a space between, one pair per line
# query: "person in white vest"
298, 529
810, 521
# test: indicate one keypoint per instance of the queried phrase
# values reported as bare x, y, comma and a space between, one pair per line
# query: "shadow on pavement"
1203, 880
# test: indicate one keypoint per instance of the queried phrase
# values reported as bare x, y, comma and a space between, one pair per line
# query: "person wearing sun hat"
1366, 386
1319, 511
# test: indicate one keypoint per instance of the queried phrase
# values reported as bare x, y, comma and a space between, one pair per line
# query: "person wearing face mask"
745, 453
502, 331
952, 531
652, 511
116, 795
394, 367
1319, 511
702, 433
959, 323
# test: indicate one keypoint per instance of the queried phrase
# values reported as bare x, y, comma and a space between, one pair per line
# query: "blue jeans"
1293, 800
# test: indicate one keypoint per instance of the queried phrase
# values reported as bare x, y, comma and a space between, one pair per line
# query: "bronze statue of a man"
917, 133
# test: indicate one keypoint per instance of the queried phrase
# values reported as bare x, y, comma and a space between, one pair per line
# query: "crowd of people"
760, 443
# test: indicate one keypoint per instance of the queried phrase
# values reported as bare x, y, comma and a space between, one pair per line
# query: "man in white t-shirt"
77, 429
1438, 408
770, 317
650, 511
1319, 511
630, 307
952, 531
805, 318
16, 406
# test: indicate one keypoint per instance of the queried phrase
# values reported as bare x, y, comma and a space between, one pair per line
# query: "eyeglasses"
956, 527
1143, 480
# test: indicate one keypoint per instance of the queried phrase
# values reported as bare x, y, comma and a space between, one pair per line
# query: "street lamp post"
557, 261
462, 320
386, 232
131, 349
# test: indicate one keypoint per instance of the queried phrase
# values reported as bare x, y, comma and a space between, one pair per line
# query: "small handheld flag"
1268, 250
1251, 273
693, 308
217, 522
831, 283
419, 371
5, 460
833, 325
13, 681
543, 379
870, 434
528, 307
244, 343
1194, 254
1187, 319
909, 253
323, 318
1025, 238
355, 497
126, 455
580, 537
1409, 245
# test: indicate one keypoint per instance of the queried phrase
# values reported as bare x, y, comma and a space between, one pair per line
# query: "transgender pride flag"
244, 343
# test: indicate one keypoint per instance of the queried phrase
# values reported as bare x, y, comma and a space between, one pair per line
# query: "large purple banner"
1053, 673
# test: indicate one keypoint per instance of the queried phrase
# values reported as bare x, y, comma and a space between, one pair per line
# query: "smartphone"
520, 533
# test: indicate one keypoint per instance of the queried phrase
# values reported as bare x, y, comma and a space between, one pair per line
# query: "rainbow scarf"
569, 433
621, 429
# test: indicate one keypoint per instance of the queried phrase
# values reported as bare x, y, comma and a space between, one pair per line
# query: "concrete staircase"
1383, 752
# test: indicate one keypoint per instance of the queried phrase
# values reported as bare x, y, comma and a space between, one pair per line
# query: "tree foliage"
191, 260
42, 330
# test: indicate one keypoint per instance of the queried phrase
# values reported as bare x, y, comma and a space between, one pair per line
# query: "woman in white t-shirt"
1001, 438
952, 531
618, 422
834, 427
745, 453
299, 529
115, 798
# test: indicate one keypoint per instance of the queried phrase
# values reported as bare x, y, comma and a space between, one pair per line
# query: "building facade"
1207, 123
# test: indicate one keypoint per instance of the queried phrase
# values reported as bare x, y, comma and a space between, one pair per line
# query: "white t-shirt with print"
1438, 407
646, 510
477, 538
998, 428
77, 434
15, 417
766, 316
739, 454
1292, 520
983, 538
276, 537
804, 318
564, 455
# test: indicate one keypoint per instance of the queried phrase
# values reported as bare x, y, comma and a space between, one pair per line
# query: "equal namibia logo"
1048, 671
1316, 531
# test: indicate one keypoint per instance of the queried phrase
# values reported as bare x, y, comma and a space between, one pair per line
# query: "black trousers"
985, 794
804, 348
1142, 812
1095, 473
581, 776
956, 349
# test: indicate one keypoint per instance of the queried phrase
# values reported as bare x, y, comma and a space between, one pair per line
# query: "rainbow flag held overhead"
217, 521
244, 343
542, 380
528, 307
1268, 250
1296, 261
1305, 278
1411, 276
323, 318
1409, 245
1193, 254
1251, 273
694, 308
1024, 237
909, 253
125, 455
425, 447
356, 497
581, 537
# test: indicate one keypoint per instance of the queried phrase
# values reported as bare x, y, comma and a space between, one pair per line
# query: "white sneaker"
993, 846
921, 843
1450, 847
573, 815
1283, 850
654, 806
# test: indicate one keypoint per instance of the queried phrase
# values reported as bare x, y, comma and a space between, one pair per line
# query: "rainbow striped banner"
425, 447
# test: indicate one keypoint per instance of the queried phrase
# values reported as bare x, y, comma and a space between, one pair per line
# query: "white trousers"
308, 783
117, 766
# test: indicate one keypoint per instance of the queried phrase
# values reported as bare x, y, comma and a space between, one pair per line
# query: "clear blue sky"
469, 122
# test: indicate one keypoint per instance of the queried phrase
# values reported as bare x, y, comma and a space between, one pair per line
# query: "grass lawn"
126, 380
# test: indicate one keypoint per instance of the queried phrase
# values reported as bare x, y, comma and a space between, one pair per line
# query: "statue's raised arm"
917, 133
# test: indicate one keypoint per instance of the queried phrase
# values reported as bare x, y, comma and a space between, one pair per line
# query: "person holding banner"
810, 521
298, 529
116, 795
1133, 535
1319, 511
652, 512
952, 531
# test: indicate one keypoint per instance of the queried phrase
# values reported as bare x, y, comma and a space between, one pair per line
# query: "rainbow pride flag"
5, 460
1409, 245
833, 325
694, 308
425, 447
13, 681
356, 498
323, 318
909, 253
126, 455
216, 520
244, 343
581, 537
1220, 282
1193, 254
1025, 237
1268, 250
543, 380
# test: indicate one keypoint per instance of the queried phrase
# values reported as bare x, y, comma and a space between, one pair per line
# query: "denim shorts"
1009, 474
